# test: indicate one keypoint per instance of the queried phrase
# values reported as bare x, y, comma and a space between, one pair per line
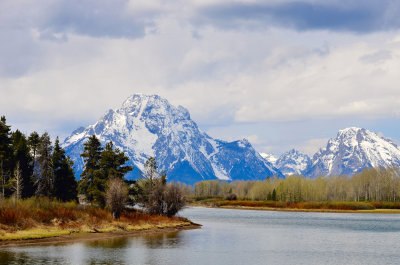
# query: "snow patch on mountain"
353, 150
292, 162
269, 157
147, 126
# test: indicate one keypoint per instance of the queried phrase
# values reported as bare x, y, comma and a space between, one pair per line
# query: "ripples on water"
239, 237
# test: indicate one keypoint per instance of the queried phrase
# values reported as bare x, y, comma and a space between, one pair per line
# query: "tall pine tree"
92, 184
23, 157
112, 162
44, 180
6, 157
33, 143
65, 185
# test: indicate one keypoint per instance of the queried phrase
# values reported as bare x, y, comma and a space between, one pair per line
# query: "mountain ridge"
352, 150
292, 162
148, 125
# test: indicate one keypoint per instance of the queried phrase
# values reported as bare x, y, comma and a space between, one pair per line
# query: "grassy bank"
42, 218
365, 207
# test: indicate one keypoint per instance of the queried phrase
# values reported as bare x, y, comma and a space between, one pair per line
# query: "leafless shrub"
231, 197
116, 196
165, 199
174, 200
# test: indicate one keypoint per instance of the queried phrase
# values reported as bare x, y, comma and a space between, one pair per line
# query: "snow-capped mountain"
290, 163
269, 157
293, 163
149, 126
353, 150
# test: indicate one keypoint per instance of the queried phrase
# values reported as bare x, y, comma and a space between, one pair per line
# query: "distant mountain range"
292, 162
353, 150
148, 125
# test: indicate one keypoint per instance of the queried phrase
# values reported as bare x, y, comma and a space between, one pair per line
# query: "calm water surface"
239, 237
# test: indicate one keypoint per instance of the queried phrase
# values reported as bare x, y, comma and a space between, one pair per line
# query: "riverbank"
81, 236
377, 211
39, 219
334, 207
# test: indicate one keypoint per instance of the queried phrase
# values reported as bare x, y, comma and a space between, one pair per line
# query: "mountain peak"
293, 162
293, 151
138, 98
148, 125
351, 151
150, 105
350, 130
353, 132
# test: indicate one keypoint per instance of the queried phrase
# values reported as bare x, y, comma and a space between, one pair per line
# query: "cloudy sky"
281, 73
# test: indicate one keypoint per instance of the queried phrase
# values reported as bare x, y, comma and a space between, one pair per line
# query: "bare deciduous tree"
371, 184
116, 196
165, 199
17, 185
174, 199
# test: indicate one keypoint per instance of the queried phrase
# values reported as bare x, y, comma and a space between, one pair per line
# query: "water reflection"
7, 257
26, 257
238, 237
120, 242
169, 240
121, 250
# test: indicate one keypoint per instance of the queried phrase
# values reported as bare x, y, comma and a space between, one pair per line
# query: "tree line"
371, 184
33, 166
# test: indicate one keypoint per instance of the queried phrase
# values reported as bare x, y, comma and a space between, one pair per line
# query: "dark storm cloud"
26, 26
353, 16
96, 18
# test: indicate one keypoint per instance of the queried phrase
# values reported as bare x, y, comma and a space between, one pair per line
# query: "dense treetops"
33, 166
101, 165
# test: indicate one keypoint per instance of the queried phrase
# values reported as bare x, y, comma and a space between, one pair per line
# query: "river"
238, 237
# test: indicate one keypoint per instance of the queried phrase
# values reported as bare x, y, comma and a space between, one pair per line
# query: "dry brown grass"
41, 214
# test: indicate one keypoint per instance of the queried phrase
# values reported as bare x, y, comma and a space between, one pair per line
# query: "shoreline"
82, 236
301, 210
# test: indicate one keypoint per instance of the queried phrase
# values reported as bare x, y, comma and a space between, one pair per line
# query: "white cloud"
327, 86
56, 75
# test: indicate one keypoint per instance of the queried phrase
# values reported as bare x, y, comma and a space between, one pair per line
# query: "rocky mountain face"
269, 157
292, 162
147, 126
353, 150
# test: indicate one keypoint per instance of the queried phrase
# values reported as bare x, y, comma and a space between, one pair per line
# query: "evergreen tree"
6, 156
65, 185
273, 197
33, 143
44, 181
112, 162
91, 184
23, 157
